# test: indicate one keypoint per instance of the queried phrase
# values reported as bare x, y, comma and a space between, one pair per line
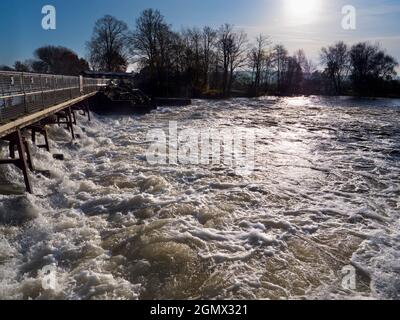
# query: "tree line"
51, 59
220, 62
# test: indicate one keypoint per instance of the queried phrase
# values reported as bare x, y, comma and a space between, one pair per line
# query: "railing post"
71, 88
81, 85
63, 89
54, 89
3, 102
41, 90
60, 87
23, 91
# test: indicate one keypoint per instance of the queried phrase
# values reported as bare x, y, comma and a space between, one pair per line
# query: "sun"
304, 11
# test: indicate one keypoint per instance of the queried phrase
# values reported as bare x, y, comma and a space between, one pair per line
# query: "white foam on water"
324, 194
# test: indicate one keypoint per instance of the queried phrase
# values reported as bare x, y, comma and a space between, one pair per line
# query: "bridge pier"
84, 108
15, 139
73, 116
41, 129
71, 122
65, 117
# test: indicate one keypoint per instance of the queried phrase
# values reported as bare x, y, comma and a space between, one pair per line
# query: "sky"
307, 24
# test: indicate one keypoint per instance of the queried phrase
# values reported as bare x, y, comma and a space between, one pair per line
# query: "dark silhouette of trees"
108, 45
197, 57
231, 48
188, 58
371, 68
198, 62
52, 59
6, 68
268, 71
209, 39
307, 65
58, 60
38, 66
276, 67
224, 45
367, 68
292, 77
258, 62
145, 39
207, 62
21, 67
335, 60
280, 59
314, 83
304, 72
152, 43
192, 63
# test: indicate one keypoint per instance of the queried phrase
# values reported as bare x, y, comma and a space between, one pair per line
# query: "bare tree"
193, 61
257, 59
280, 58
209, 40
293, 76
335, 58
225, 44
107, 48
146, 37
309, 67
21, 66
371, 67
238, 57
152, 44
267, 70
192, 39
232, 50
301, 58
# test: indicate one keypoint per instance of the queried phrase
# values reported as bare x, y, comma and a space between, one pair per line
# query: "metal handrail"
25, 92
36, 92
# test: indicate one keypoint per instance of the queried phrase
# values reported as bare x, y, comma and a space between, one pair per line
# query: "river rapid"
321, 204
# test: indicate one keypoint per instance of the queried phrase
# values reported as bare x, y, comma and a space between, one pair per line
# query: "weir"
30, 102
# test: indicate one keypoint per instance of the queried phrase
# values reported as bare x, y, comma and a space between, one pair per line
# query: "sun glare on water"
302, 11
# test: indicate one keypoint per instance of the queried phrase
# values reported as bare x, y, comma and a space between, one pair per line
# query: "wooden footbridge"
30, 102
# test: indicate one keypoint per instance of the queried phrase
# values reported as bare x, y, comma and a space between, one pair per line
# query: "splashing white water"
324, 194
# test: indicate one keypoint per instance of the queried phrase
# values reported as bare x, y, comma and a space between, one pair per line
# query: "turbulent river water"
322, 204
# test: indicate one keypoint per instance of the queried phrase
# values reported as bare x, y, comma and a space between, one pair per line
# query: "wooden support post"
73, 116
46, 140
83, 107
62, 115
71, 124
28, 154
41, 129
16, 139
33, 135
11, 146
87, 109
67, 115
21, 152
